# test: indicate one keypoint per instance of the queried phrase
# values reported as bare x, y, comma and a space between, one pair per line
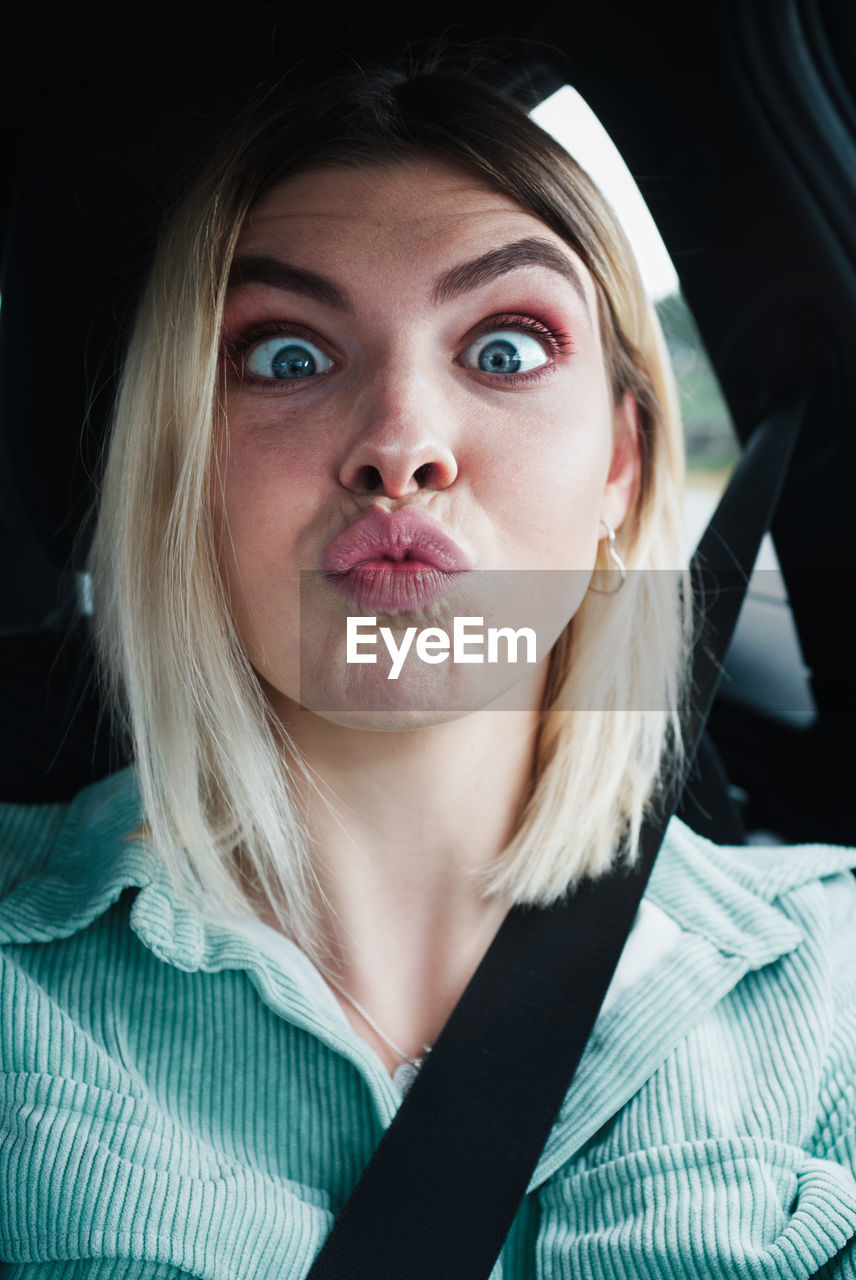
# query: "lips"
393, 561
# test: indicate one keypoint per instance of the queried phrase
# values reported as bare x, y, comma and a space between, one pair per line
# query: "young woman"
394, 388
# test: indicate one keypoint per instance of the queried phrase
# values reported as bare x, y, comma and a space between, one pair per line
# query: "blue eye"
285, 358
506, 351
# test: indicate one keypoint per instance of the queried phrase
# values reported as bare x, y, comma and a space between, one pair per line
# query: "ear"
625, 471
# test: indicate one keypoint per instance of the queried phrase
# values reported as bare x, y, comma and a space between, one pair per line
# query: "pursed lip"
397, 538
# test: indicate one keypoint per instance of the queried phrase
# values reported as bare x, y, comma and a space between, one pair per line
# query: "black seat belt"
438, 1197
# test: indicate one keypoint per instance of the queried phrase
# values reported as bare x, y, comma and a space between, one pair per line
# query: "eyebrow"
263, 269
529, 252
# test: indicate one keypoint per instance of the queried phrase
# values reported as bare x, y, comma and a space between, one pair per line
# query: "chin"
369, 701
389, 720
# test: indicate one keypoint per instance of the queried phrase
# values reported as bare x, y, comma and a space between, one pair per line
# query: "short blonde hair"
218, 788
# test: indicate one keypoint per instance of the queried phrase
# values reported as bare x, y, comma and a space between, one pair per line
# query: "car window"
765, 668
711, 443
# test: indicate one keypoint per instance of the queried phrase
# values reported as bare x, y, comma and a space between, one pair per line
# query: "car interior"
737, 120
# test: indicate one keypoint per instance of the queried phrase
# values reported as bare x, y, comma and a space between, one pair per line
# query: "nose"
402, 444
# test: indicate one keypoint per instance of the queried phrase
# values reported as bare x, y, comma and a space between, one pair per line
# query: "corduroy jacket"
184, 1097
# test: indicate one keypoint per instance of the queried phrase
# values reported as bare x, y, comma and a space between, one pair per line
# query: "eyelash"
235, 349
556, 343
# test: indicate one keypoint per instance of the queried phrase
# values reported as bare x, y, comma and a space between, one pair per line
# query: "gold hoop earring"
617, 563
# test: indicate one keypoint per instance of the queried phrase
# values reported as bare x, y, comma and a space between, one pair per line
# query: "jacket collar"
725, 895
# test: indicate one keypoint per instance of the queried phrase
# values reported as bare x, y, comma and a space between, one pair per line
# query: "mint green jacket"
175, 1100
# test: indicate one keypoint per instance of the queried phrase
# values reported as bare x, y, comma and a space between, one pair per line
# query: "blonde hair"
218, 788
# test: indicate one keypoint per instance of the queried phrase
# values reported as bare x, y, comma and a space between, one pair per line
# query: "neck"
408, 824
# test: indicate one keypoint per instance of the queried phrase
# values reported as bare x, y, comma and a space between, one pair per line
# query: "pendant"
404, 1075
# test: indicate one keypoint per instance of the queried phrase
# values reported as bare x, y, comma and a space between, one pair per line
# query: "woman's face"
419, 426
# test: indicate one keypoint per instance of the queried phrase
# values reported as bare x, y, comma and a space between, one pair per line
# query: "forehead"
421, 189
424, 214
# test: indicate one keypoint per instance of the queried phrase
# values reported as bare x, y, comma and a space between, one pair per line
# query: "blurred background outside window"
711, 445
765, 666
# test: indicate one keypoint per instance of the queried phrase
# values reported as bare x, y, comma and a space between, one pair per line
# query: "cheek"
268, 490
265, 501
552, 469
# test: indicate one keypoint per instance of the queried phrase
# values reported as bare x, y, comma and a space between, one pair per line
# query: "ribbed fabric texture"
176, 1098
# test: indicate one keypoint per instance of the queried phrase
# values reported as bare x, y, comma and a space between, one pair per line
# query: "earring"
617, 562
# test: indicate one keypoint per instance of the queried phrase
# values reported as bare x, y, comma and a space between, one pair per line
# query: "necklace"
408, 1069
